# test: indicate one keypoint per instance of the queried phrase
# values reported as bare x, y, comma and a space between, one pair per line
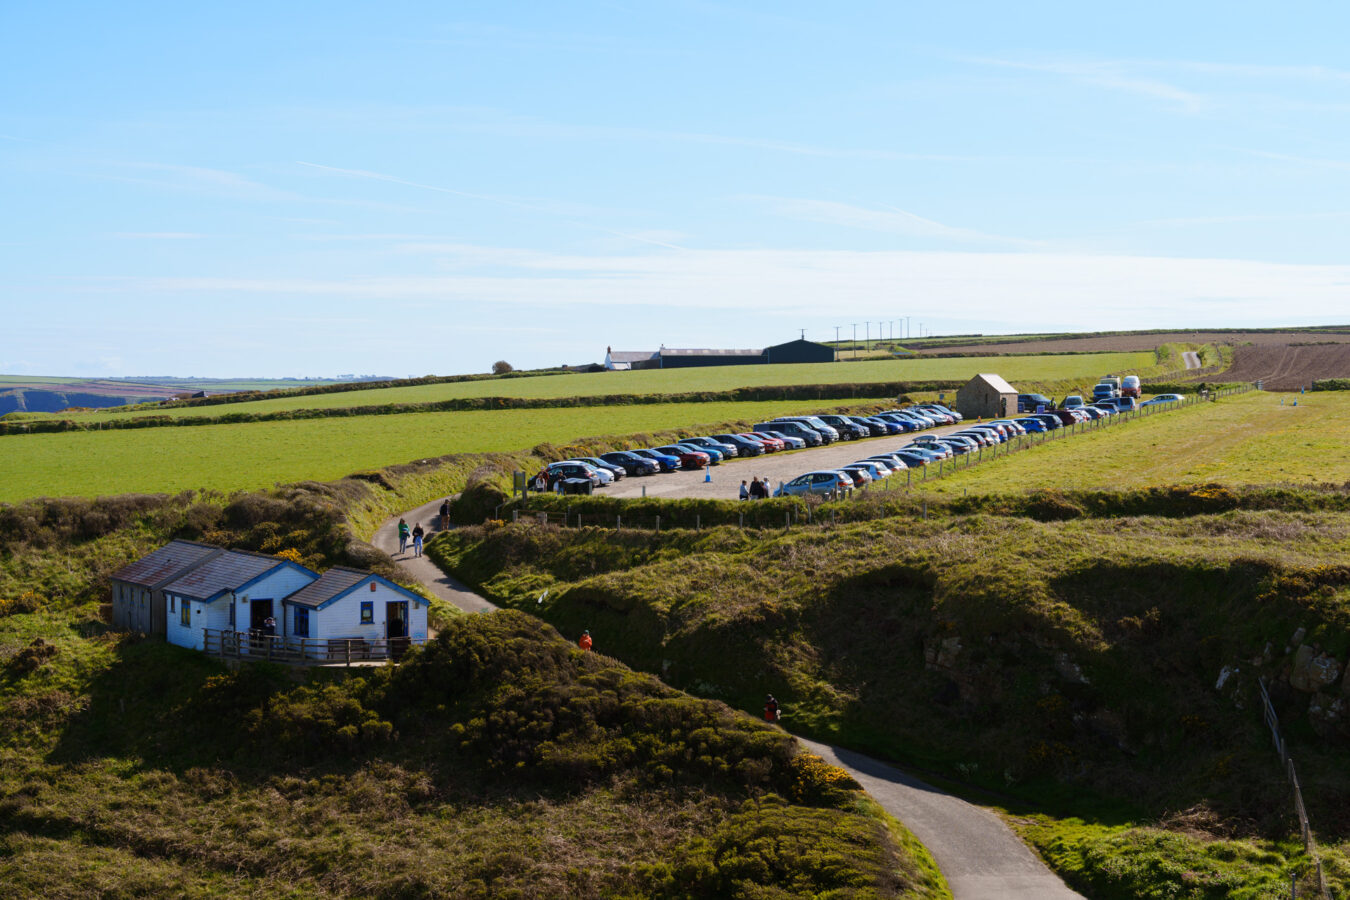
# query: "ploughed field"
1288, 367
1142, 341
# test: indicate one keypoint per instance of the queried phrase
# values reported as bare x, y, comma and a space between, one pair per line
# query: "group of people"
416, 533
755, 489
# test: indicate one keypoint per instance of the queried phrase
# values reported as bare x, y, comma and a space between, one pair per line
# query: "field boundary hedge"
840, 391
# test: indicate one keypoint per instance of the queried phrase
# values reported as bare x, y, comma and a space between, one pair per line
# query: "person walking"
417, 534
445, 514
745, 490
584, 642
403, 534
771, 710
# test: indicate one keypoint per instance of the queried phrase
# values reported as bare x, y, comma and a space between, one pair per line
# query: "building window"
302, 623
186, 617
172, 608
231, 615
367, 612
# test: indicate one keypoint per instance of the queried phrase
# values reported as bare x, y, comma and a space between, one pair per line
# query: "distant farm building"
987, 397
799, 351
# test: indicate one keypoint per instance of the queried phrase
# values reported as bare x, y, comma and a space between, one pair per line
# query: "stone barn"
987, 397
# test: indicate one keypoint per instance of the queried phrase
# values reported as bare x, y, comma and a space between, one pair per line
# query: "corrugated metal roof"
703, 351
226, 572
166, 563
631, 355
330, 584
997, 383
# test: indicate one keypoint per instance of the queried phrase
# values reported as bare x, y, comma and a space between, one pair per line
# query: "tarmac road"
777, 467
977, 853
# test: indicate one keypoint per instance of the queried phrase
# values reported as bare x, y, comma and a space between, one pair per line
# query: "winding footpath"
978, 854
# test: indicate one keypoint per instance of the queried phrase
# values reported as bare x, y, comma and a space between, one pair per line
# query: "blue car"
1032, 425
631, 463
744, 446
707, 444
714, 455
822, 482
666, 461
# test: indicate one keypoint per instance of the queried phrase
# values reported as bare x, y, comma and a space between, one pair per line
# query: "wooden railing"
258, 647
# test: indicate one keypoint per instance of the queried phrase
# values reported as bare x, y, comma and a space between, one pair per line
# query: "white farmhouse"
138, 588
358, 608
231, 592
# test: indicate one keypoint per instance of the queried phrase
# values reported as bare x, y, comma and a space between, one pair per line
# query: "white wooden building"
353, 607
234, 591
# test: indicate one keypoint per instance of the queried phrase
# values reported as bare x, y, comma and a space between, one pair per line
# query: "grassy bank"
1069, 663
498, 761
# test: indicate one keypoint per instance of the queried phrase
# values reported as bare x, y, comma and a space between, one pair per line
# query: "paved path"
1191, 358
978, 855
423, 570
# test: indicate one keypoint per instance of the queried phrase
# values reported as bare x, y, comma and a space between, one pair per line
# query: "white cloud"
1111, 74
1035, 288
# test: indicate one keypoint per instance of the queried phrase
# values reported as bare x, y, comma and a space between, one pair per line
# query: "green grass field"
1246, 439
718, 378
232, 457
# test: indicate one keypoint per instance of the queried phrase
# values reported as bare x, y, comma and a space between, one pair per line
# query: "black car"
847, 428
744, 446
631, 463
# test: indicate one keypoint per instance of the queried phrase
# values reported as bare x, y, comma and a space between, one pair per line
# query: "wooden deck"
245, 645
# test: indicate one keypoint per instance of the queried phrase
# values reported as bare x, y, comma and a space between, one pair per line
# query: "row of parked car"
585, 474
927, 449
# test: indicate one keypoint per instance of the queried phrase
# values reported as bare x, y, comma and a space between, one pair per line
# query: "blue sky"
404, 188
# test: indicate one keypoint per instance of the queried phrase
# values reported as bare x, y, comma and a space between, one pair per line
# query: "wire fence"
1300, 811
754, 515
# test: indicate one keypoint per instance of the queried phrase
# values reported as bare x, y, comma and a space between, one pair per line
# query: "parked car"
714, 455
1129, 386
1032, 424
914, 457
606, 476
790, 441
727, 450
875, 470
795, 429
1051, 421
1103, 391
668, 462
1106, 406
847, 428
744, 445
571, 471
951, 415
1065, 416
857, 474
1013, 427
1162, 399
1073, 401
1033, 402
604, 465
827, 433
631, 463
1125, 404
688, 456
771, 444
880, 427
909, 421
821, 482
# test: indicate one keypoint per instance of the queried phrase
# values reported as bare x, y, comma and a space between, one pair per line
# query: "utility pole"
855, 338
908, 333
836, 343
868, 326
803, 331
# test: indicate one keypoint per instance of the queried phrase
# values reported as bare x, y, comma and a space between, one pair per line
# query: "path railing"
1300, 812
258, 647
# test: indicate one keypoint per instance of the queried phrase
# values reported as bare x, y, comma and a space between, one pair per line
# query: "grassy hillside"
499, 761
1067, 661
1253, 438
718, 378
234, 457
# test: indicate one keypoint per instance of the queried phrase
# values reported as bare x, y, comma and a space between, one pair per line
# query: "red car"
689, 459
771, 444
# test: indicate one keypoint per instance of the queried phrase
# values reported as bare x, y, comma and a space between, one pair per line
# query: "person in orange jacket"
585, 641
771, 710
